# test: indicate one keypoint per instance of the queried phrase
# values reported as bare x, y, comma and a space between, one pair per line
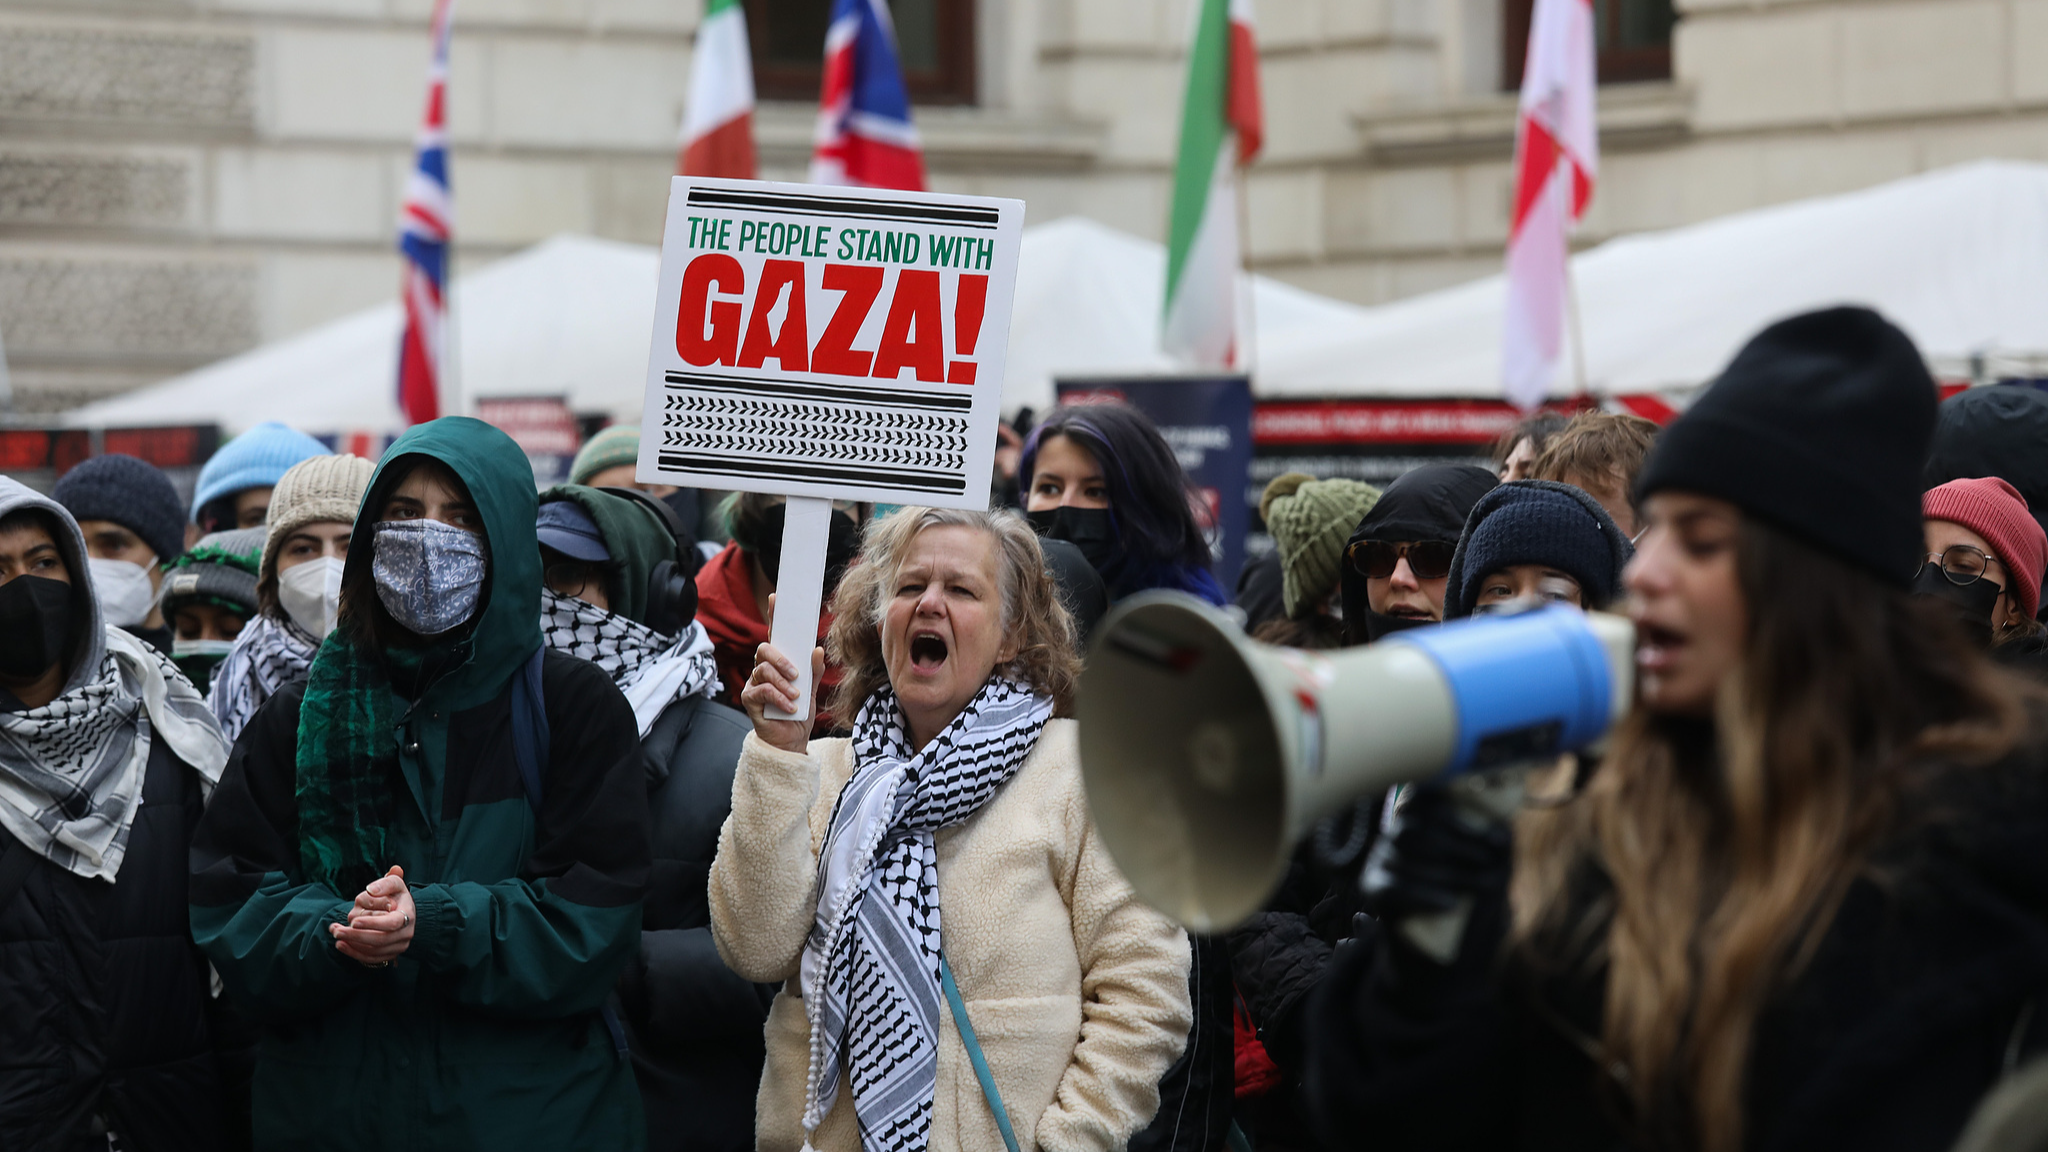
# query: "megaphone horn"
1207, 755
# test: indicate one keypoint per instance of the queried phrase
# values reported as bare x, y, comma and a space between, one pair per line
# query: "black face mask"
1379, 625
842, 544
35, 621
686, 503
1973, 603
1089, 529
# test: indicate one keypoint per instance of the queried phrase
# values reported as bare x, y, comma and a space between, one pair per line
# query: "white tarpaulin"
1957, 257
570, 317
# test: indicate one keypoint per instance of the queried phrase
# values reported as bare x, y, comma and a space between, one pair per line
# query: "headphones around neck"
672, 586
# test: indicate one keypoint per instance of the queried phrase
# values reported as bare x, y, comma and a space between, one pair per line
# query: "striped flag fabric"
718, 126
1221, 129
865, 136
1557, 158
424, 226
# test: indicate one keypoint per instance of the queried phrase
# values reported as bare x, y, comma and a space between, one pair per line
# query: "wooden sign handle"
800, 593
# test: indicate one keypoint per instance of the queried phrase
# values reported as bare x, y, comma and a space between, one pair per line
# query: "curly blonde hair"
1032, 613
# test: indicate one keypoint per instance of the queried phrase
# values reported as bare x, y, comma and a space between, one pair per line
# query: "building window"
934, 39
1632, 37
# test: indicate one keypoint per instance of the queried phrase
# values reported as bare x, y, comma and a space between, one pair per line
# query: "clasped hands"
381, 924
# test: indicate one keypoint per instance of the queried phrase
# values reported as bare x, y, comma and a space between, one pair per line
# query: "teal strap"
980, 1062
1235, 1139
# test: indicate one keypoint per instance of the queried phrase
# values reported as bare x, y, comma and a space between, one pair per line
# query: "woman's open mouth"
1656, 646
927, 652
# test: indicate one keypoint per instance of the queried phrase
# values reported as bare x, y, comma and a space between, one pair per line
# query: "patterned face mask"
429, 575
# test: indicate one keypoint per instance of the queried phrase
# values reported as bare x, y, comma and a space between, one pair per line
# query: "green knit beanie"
616, 445
1310, 520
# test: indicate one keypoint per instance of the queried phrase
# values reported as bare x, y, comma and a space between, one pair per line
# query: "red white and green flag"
718, 125
1220, 131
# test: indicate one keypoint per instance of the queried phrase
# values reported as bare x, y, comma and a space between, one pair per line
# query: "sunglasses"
1375, 559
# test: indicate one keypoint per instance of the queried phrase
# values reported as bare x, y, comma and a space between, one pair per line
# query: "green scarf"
349, 783
348, 760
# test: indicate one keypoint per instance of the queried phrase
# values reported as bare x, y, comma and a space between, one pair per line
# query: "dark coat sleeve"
550, 941
262, 926
677, 992
1406, 1053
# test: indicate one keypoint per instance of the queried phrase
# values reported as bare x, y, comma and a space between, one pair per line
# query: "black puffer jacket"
1923, 992
695, 1025
104, 1005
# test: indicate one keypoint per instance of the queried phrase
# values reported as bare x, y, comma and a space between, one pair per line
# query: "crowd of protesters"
399, 805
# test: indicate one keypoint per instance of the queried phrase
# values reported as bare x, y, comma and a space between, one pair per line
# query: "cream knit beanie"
313, 490
1310, 520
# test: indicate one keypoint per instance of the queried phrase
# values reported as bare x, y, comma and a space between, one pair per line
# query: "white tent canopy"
573, 316
1957, 257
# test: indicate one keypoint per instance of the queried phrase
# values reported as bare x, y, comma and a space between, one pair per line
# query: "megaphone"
1206, 755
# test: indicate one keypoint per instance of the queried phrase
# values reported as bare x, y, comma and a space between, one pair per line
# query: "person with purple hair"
1102, 477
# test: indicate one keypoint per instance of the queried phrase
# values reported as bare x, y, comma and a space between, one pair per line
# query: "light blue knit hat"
255, 459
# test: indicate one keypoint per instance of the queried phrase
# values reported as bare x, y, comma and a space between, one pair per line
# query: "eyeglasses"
1963, 563
1375, 559
569, 577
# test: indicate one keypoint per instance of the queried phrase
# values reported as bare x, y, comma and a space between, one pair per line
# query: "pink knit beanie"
1996, 511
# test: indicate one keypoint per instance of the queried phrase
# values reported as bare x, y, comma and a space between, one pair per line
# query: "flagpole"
451, 340
1247, 290
1571, 307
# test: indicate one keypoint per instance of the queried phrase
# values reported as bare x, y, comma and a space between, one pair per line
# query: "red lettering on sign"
709, 272
912, 336
835, 353
791, 347
968, 306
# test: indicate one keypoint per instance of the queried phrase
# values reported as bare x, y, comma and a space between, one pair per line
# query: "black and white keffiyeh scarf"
269, 654
71, 771
871, 963
652, 670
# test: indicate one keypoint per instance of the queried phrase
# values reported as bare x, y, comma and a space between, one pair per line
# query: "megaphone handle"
1482, 799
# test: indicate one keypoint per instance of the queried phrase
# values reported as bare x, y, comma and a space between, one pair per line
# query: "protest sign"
828, 344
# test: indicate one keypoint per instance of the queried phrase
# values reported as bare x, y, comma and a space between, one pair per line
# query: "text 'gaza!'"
721, 319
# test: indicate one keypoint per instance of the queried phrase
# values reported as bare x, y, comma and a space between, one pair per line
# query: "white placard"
845, 343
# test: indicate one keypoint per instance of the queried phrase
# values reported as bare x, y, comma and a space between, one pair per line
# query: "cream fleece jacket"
1077, 992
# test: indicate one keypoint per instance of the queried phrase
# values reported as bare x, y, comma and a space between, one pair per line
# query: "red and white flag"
1557, 155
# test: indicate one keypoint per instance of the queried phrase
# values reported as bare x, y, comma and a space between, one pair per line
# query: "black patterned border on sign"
824, 433
851, 207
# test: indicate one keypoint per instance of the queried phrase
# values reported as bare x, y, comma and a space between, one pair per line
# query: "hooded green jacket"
486, 1033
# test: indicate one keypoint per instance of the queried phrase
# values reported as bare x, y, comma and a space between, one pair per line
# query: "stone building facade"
183, 179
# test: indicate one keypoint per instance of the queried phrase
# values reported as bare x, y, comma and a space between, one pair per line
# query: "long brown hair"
1728, 853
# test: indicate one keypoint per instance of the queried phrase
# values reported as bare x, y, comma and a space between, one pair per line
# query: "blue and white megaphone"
1208, 755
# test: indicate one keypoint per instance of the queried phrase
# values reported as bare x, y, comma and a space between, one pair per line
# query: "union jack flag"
865, 136
424, 225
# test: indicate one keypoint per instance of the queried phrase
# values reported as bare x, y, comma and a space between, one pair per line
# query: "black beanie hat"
1820, 426
1428, 503
130, 492
1538, 522
2002, 432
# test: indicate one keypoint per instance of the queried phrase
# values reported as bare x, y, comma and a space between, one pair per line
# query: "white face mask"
182, 647
126, 595
310, 594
